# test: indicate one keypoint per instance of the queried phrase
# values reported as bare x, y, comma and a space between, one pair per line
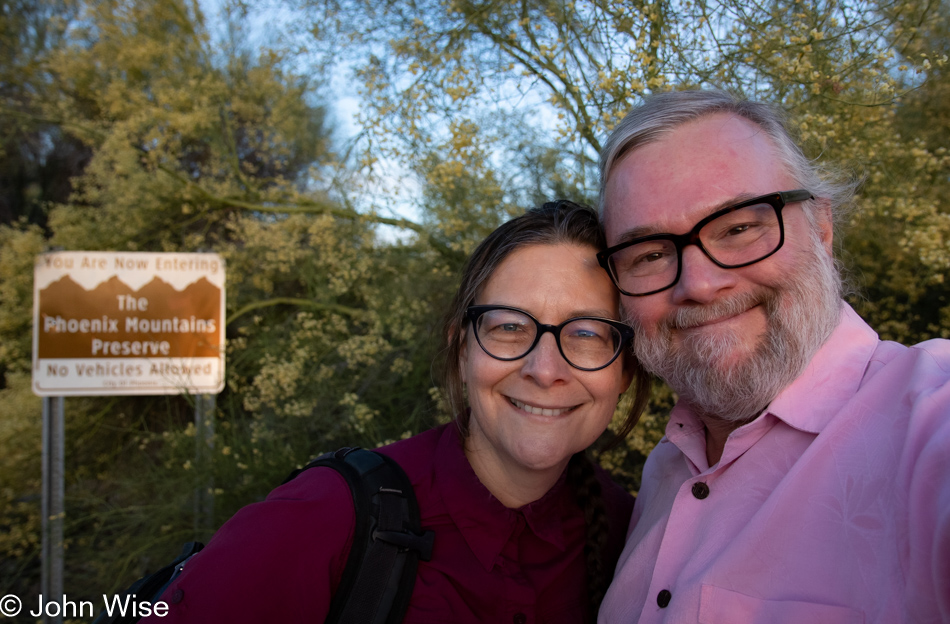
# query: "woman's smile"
541, 411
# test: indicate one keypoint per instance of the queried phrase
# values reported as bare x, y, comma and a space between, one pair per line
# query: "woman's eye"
503, 325
589, 331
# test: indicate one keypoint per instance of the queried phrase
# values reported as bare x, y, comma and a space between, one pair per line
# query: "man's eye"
651, 257
643, 261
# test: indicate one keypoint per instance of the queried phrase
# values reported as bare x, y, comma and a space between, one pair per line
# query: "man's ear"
824, 221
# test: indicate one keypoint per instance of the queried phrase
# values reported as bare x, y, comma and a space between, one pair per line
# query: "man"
805, 472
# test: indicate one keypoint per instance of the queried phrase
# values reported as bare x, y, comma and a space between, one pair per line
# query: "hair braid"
588, 494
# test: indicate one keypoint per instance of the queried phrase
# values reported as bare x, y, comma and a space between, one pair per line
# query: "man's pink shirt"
832, 506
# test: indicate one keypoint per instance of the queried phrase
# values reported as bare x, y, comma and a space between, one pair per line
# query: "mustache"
693, 316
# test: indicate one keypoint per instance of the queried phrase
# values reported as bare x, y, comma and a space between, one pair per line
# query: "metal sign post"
204, 447
53, 506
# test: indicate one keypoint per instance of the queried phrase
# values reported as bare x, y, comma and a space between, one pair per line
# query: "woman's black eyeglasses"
586, 343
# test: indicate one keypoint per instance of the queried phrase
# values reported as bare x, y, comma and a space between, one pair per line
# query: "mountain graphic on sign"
72, 317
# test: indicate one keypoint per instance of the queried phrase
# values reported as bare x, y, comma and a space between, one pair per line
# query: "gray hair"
662, 113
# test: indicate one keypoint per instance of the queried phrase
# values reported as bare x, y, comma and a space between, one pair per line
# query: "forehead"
552, 281
703, 165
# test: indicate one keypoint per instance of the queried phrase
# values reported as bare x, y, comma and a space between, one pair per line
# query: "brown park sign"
108, 323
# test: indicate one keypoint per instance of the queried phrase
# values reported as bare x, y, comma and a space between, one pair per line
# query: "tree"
903, 270
190, 151
468, 72
36, 159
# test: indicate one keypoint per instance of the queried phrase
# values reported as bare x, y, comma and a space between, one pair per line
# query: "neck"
716, 437
513, 485
717, 432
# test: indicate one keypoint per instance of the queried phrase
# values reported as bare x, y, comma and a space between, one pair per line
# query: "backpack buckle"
422, 544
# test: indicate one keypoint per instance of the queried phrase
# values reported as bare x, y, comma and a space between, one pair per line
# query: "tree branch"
308, 303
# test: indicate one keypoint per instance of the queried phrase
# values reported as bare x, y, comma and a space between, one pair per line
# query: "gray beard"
801, 312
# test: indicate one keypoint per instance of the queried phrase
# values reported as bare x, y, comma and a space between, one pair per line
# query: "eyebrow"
599, 313
649, 230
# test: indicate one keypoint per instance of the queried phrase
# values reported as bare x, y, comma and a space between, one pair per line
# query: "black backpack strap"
151, 586
388, 539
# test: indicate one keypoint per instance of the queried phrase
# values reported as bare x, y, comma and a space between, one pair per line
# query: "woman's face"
508, 429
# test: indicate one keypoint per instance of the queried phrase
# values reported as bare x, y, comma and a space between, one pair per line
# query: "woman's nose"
544, 363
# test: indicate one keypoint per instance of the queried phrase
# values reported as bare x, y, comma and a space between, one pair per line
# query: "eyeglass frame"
776, 200
474, 312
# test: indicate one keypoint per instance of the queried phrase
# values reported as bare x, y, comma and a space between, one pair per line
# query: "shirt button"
700, 490
520, 618
663, 598
177, 596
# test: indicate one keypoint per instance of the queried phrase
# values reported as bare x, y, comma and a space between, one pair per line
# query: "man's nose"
701, 280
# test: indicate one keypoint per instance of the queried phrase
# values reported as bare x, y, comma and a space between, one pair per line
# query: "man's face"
727, 340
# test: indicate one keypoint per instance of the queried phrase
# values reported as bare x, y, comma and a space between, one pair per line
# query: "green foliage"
19, 481
36, 158
328, 328
863, 82
124, 127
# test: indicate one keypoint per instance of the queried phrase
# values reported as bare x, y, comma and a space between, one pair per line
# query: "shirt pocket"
722, 606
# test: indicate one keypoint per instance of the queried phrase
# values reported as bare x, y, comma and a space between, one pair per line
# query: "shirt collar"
831, 378
484, 522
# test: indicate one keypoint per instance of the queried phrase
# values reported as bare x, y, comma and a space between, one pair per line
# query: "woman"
525, 529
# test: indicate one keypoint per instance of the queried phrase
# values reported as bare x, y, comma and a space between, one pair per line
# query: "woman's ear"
463, 354
626, 379
629, 363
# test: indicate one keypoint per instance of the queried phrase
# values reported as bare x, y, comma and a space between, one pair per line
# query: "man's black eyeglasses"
733, 237
586, 343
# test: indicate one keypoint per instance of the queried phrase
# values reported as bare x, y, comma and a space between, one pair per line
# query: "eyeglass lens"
585, 343
732, 239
